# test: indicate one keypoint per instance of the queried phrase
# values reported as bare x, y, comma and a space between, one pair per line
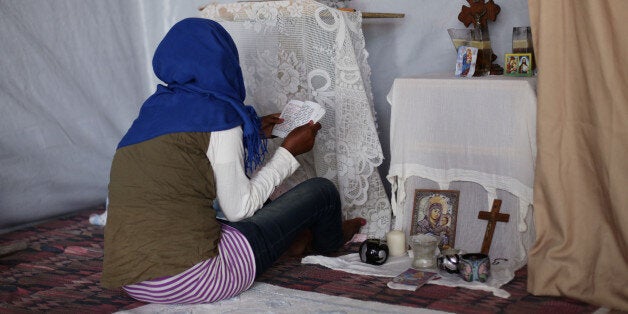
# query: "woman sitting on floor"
190, 144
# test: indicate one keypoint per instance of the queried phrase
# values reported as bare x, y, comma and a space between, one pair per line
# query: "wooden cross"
478, 13
493, 217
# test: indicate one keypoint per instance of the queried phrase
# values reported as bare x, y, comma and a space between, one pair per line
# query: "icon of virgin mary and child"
437, 222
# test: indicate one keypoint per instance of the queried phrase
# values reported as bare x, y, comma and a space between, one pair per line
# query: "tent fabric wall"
71, 80
580, 199
74, 73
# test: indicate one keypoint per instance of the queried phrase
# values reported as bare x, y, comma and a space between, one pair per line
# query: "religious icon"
435, 213
524, 66
465, 63
512, 64
518, 64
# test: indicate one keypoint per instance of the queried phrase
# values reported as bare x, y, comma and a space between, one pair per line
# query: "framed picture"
435, 212
518, 64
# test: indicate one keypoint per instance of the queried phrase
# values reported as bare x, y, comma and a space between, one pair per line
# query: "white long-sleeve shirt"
240, 197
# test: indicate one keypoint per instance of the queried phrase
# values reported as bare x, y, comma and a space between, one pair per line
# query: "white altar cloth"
481, 130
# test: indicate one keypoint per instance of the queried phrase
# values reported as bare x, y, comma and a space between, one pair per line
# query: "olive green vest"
160, 219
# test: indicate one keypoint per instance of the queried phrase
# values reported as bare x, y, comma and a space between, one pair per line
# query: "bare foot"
301, 244
351, 227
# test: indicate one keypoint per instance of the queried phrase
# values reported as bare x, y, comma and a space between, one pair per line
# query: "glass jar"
424, 251
478, 38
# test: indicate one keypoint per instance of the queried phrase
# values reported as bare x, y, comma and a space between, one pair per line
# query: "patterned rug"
59, 264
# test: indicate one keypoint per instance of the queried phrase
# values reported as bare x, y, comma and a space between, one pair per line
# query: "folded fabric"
98, 220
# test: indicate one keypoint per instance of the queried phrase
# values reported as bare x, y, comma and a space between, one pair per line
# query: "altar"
475, 135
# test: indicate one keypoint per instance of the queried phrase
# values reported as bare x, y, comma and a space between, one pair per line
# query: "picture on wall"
434, 212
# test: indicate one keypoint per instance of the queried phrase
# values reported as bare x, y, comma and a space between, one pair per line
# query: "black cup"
448, 260
374, 251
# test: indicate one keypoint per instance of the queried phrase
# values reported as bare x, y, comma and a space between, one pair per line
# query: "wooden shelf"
373, 15
366, 15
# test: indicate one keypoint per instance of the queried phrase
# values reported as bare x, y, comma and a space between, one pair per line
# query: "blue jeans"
313, 204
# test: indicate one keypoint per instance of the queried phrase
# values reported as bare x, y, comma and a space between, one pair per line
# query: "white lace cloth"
301, 49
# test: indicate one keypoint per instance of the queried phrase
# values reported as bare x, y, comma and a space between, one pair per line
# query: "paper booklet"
411, 279
297, 113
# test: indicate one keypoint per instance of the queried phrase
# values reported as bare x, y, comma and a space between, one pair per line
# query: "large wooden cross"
493, 217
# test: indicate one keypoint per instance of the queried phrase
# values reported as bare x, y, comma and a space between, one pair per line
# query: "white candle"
396, 241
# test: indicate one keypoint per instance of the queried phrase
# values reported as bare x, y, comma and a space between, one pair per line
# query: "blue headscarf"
198, 61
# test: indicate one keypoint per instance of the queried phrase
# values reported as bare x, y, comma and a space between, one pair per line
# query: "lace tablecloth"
301, 49
480, 130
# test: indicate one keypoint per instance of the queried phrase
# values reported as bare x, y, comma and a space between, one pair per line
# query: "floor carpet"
58, 265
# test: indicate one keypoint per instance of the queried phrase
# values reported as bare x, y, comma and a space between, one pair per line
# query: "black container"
374, 251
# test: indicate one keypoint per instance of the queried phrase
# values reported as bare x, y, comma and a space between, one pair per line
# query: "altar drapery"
301, 49
581, 179
460, 133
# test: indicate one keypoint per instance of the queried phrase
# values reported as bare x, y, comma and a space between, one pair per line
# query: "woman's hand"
268, 123
301, 139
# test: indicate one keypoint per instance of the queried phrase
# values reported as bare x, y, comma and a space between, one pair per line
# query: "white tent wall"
73, 75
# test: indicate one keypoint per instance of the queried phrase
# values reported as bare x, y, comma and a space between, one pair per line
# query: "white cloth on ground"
266, 298
394, 266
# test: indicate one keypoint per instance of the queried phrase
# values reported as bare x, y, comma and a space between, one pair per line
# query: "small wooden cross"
493, 217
